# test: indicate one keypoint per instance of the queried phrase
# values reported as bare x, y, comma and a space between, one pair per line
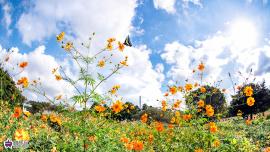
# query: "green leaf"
100, 76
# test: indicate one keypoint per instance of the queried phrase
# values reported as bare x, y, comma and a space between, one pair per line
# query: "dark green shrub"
261, 95
8, 90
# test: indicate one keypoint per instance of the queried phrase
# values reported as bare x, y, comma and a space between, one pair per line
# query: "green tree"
261, 94
8, 90
212, 96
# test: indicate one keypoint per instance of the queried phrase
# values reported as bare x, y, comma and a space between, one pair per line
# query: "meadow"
207, 124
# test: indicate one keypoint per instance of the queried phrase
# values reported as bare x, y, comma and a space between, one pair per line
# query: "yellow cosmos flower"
203, 90
250, 101
188, 87
200, 104
60, 37
23, 81
68, 46
100, 108
21, 135
248, 91
101, 63
117, 106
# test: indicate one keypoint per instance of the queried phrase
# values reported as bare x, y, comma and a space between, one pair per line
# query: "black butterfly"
127, 42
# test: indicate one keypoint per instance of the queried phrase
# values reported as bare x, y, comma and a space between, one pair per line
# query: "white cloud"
7, 16
47, 18
220, 57
40, 66
167, 5
138, 79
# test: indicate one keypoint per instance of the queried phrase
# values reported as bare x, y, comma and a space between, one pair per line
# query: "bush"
261, 94
212, 96
8, 90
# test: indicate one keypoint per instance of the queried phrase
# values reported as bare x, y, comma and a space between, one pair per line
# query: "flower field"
206, 124
108, 135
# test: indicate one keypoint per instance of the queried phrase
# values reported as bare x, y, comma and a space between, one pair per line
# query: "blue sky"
170, 36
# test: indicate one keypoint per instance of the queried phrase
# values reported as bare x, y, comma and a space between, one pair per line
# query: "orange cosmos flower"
250, 101
144, 118
21, 135
166, 94
200, 104
159, 127
44, 117
188, 87
129, 146
176, 104
17, 112
137, 145
124, 139
58, 77
248, 122
248, 91
173, 90
212, 127
60, 37
100, 108
101, 63
23, 64
201, 67
267, 149
187, 117
110, 40
203, 90
170, 126
23, 81
121, 46
117, 106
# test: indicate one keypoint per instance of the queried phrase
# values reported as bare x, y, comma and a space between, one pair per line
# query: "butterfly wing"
127, 42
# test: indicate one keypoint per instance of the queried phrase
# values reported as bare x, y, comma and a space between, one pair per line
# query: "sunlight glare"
243, 34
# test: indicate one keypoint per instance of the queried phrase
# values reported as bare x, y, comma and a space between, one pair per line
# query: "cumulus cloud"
138, 79
40, 66
220, 56
106, 18
167, 5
